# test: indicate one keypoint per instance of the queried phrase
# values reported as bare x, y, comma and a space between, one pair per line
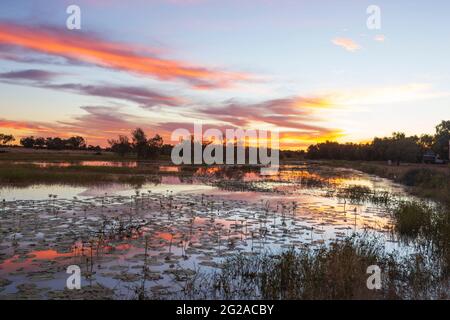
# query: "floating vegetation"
158, 241
360, 194
237, 185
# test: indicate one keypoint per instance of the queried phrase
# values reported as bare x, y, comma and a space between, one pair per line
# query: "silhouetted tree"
122, 146
155, 145
402, 148
143, 147
166, 149
55, 143
139, 143
75, 143
396, 148
39, 142
442, 139
6, 138
27, 142
426, 141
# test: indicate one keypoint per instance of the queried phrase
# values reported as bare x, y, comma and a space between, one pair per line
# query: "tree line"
153, 148
140, 144
398, 147
57, 143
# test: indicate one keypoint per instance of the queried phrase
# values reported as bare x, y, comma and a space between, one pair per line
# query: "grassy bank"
428, 227
26, 174
427, 181
23, 176
22, 154
18, 167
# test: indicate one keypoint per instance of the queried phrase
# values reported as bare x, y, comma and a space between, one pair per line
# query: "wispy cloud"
347, 44
296, 118
27, 126
386, 94
31, 74
144, 97
303, 117
119, 56
103, 122
97, 124
292, 112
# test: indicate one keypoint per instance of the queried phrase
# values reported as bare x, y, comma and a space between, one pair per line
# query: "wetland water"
185, 223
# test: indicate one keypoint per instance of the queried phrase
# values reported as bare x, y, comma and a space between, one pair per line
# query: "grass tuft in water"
337, 271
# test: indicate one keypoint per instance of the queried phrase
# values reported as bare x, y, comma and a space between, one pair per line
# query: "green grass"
27, 174
413, 218
22, 154
428, 225
360, 194
37, 155
428, 183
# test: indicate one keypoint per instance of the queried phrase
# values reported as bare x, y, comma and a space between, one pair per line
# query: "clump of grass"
311, 182
413, 218
354, 193
426, 224
239, 185
426, 178
418, 218
337, 271
429, 183
360, 194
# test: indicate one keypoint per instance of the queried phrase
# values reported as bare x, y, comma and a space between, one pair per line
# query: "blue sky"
262, 64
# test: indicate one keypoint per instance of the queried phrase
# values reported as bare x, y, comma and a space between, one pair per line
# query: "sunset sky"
311, 69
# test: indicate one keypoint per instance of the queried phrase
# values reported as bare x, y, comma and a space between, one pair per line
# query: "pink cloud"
119, 56
347, 44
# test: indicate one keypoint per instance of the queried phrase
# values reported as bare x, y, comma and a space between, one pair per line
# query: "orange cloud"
292, 112
296, 118
347, 44
97, 125
113, 55
23, 125
294, 140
